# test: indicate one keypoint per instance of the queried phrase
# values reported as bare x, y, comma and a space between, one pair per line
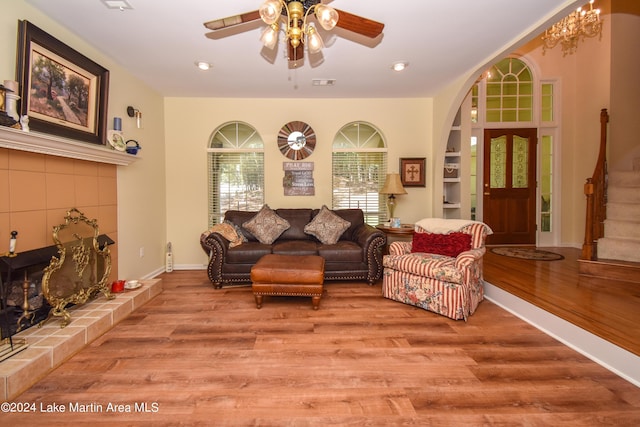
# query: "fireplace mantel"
56, 146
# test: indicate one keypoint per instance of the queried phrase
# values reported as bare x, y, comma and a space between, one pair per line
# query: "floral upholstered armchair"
440, 270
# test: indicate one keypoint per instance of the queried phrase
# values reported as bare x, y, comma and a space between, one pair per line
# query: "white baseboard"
618, 360
154, 273
190, 267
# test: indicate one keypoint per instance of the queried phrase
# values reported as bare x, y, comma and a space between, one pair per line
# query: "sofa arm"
215, 246
467, 258
372, 241
399, 248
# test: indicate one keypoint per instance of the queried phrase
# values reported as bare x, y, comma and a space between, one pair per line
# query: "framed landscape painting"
412, 171
62, 92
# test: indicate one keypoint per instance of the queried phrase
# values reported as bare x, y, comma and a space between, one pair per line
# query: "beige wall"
405, 124
140, 217
584, 82
625, 87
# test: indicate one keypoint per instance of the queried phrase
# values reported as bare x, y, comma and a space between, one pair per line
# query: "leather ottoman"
288, 275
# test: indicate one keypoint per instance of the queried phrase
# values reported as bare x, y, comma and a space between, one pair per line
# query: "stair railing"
595, 189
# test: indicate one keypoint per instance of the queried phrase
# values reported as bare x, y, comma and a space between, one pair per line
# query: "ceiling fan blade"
358, 24
232, 21
295, 54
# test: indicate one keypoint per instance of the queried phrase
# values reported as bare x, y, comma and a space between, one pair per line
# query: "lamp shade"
327, 16
269, 37
270, 11
314, 41
393, 185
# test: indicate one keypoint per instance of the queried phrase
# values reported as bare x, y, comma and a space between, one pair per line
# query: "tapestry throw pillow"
266, 226
451, 244
228, 232
238, 230
327, 226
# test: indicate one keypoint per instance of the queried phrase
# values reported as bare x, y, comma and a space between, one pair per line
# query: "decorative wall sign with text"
298, 179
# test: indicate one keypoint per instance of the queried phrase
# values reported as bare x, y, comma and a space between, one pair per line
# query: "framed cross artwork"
412, 171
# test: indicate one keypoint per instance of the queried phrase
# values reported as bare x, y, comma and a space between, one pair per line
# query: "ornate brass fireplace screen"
81, 269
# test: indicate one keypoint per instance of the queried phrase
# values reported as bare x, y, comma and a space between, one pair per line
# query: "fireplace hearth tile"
50, 345
26, 368
63, 346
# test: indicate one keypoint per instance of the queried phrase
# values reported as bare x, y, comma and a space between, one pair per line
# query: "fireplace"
53, 278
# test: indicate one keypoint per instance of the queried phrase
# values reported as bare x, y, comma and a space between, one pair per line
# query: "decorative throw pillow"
327, 226
236, 227
266, 226
451, 244
228, 232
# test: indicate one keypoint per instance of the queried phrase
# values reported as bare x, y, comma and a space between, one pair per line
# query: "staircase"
621, 239
619, 250
611, 246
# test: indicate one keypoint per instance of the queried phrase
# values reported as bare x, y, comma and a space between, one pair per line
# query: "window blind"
236, 181
357, 180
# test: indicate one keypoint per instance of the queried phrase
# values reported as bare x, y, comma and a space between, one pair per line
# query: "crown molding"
42, 143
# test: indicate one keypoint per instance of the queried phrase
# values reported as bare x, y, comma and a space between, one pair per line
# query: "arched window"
359, 169
236, 170
509, 92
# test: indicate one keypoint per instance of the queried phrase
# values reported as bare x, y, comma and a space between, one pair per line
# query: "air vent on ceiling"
323, 82
117, 4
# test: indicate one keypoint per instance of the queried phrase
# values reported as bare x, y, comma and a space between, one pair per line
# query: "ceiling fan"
298, 31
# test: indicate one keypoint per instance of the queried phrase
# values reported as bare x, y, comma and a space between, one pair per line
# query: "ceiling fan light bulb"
270, 11
314, 41
327, 16
269, 36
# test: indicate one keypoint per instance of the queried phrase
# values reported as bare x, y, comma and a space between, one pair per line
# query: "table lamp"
392, 186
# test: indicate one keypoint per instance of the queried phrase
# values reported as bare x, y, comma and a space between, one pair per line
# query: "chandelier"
579, 24
296, 29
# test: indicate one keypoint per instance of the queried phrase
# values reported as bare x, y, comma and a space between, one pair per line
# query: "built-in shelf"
452, 160
43, 143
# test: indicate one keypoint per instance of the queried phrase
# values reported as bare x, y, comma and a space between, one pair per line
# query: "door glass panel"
520, 162
474, 104
498, 162
474, 176
546, 182
547, 102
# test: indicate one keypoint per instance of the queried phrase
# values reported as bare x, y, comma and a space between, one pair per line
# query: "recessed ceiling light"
117, 4
400, 65
203, 65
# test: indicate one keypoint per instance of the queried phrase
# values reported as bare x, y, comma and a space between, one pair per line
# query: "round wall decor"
296, 140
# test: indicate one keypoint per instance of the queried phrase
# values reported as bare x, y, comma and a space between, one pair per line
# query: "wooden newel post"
587, 246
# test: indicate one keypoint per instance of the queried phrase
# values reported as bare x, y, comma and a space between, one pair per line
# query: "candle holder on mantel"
12, 245
5, 119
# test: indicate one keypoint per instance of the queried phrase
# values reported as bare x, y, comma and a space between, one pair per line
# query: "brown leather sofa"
356, 256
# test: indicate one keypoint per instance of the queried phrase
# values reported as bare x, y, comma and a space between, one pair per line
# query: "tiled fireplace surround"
41, 178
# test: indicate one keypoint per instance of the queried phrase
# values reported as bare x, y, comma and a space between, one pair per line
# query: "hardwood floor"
608, 308
200, 356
